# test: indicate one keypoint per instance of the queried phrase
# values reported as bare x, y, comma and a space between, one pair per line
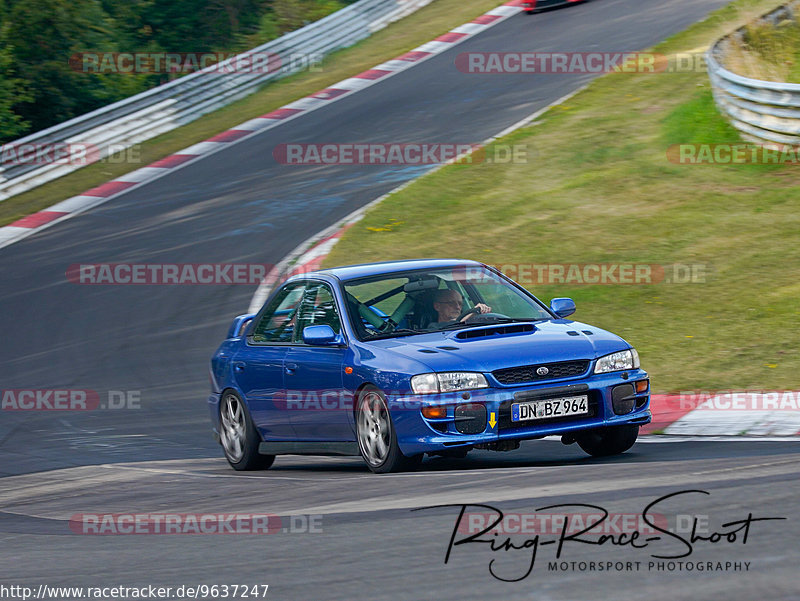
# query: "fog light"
641, 385
622, 399
434, 412
470, 418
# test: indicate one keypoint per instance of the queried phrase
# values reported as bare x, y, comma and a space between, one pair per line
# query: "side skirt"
309, 448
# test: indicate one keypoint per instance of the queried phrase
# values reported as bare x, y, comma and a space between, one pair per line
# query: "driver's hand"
479, 308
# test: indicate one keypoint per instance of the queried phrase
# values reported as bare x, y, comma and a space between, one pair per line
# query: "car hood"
549, 342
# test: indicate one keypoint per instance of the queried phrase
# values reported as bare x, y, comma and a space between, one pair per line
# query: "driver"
447, 303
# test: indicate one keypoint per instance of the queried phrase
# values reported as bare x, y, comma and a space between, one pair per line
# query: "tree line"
42, 41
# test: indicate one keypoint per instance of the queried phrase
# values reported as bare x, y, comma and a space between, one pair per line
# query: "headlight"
425, 384
617, 362
450, 381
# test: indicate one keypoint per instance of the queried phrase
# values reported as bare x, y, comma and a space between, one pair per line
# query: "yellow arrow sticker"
492, 420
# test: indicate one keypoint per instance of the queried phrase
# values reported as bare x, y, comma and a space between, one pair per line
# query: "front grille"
527, 373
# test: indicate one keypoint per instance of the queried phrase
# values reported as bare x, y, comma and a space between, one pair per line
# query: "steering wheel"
467, 312
491, 316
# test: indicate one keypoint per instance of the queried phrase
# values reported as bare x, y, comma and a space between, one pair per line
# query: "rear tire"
612, 440
377, 439
238, 435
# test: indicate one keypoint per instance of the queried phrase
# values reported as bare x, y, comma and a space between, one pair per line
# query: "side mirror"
563, 307
239, 325
319, 335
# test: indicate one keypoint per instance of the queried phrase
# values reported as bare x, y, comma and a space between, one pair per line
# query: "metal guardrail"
169, 106
764, 112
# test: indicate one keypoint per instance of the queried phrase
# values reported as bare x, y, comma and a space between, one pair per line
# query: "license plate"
563, 407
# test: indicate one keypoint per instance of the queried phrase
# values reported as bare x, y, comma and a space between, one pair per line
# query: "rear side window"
277, 323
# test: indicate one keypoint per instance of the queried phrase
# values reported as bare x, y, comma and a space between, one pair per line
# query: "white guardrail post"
765, 112
118, 126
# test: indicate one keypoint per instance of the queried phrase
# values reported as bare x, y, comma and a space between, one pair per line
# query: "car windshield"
414, 302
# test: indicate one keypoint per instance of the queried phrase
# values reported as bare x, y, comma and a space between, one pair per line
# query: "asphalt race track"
367, 543
239, 206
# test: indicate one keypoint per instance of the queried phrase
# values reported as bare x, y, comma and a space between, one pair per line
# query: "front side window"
317, 307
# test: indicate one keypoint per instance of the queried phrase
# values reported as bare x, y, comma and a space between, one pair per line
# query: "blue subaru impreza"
394, 360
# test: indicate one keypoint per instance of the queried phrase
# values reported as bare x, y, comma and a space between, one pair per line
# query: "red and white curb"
735, 413
30, 224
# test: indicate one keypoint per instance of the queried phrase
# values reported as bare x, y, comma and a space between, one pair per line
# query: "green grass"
601, 190
398, 38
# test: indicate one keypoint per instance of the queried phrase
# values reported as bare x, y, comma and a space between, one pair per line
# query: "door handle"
238, 366
290, 368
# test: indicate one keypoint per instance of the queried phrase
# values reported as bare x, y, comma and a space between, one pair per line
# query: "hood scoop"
524, 328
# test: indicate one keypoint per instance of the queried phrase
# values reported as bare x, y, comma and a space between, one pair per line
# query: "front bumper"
417, 434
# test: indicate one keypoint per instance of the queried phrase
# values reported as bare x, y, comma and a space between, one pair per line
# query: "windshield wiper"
392, 334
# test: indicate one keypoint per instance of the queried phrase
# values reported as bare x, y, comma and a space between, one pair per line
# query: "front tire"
238, 435
611, 440
377, 439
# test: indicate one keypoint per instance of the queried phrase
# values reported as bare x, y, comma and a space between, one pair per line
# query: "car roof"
349, 272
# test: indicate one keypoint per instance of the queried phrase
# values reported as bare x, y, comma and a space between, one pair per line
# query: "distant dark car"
532, 6
394, 360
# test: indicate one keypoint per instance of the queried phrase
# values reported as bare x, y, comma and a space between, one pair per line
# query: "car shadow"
555, 454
